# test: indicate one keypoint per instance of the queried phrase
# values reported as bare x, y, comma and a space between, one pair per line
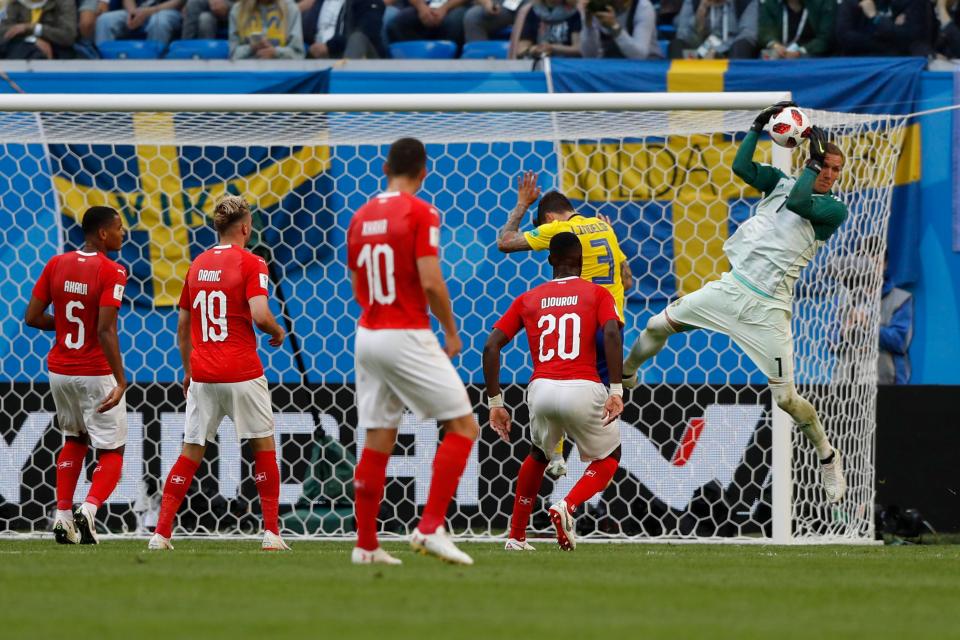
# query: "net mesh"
696, 435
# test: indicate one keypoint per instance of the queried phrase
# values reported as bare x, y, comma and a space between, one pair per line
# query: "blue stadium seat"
424, 50
130, 49
486, 50
504, 34
664, 47
666, 32
198, 50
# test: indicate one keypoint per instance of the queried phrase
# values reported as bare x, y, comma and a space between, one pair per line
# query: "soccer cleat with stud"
65, 532
159, 543
518, 545
273, 542
562, 521
85, 519
440, 545
377, 556
834, 482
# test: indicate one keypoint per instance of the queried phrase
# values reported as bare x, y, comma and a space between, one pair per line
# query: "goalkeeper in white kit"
752, 302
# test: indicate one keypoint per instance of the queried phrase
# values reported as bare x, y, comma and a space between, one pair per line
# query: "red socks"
267, 477
594, 480
368, 481
174, 490
69, 466
105, 477
528, 486
448, 466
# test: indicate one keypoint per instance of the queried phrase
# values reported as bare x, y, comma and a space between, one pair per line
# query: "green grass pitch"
211, 589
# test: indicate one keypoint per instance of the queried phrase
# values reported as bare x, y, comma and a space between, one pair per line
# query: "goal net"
705, 456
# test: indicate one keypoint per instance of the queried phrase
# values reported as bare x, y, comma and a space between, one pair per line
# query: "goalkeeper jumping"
752, 302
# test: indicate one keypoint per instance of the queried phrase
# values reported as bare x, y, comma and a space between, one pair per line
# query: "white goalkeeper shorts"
405, 367
760, 328
573, 408
77, 399
246, 403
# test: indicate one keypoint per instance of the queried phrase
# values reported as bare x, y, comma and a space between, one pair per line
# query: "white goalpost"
705, 455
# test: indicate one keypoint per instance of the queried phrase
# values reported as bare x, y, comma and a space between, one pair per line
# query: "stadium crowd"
635, 29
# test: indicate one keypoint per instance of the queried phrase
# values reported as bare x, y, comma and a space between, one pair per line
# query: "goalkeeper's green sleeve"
756, 175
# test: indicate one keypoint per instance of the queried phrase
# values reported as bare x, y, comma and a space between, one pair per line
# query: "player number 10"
213, 315
381, 285
567, 327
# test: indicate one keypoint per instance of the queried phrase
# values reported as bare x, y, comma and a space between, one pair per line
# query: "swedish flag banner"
166, 195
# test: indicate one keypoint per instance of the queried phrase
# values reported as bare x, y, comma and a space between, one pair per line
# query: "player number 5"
71, 342
213, 315
381, 284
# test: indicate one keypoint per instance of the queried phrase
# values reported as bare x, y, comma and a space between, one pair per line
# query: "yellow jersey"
602, 258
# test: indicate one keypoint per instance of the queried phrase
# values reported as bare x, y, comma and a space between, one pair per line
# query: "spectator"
948, 34
884, 28
344, 29
204, 19
433, 20
159, 22
796, 28
667, 12
390, 10
550, 28
266, 29
716, 29
619, 29
896, 333
487, 17
40, 30
87, 12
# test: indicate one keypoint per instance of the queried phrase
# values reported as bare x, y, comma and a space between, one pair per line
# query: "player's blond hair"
228, 211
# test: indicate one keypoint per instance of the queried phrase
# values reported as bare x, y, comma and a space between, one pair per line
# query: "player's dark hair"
228, 211
407, 158
97, 218
831, 149
565, 247
552, 202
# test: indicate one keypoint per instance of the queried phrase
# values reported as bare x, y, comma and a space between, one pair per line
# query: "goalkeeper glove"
764, 116
818, 149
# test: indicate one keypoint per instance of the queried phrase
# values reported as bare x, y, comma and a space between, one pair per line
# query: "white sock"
649, 343
805, 416
64, 515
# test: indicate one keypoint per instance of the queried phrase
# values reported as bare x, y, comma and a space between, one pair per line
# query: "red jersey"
561, 318
386, 237
219, 284
78, 284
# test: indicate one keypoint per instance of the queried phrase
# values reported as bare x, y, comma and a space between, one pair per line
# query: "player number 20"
567, 327
213, 315
380, 282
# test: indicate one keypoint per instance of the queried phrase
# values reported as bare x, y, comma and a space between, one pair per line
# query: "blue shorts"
602, 357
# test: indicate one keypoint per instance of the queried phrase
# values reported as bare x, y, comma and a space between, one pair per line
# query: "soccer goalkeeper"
752, 302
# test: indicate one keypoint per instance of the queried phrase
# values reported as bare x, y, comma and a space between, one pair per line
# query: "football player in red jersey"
561, 318
393, 247
224, 295
86, 368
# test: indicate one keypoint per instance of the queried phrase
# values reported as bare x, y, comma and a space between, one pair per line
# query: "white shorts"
246, 403
405, 367
574, 408
77, 399
759, 327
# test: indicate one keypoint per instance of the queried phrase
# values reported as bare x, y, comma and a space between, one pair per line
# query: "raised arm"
509, 239
754, 174
825, 213
110, 343
435, 289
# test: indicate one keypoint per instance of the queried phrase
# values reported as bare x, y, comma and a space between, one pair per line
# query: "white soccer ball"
790, 127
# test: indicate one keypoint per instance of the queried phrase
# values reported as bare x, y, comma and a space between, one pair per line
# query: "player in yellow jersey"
603, 261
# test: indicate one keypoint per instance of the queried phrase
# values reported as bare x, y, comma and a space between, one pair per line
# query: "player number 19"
213, 315
567, 327
381, 284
